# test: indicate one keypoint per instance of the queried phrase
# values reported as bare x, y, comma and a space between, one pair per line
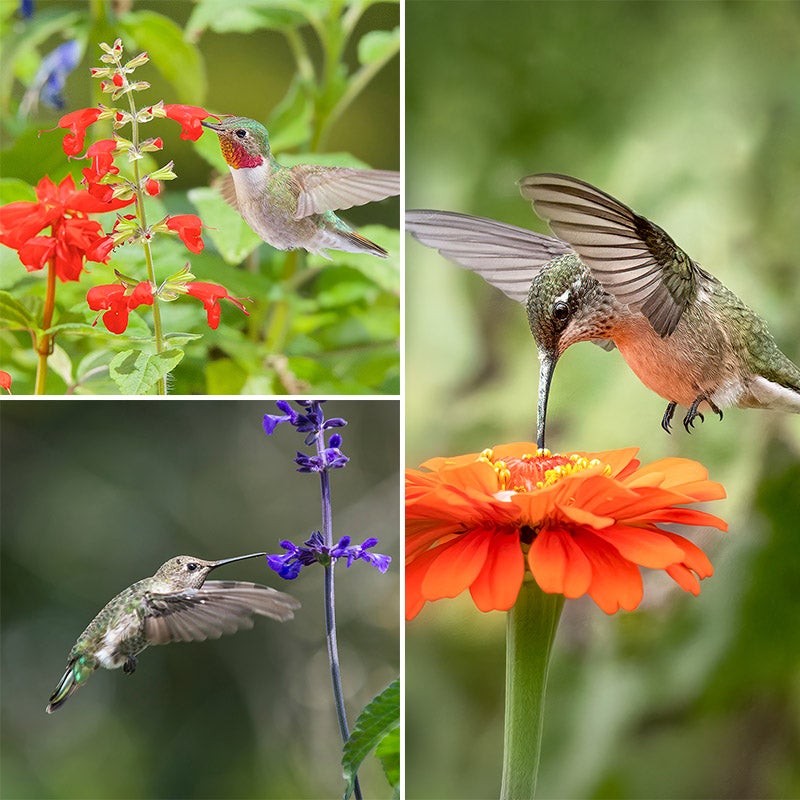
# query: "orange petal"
558, 564
456, 565
497, 585
643, 547
616, 583
685, 578
684, 516
414, 575
581, 516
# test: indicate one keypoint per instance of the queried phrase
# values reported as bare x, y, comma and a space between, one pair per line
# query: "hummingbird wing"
631, 257
324, 189
227, 189
216, 608
503, 255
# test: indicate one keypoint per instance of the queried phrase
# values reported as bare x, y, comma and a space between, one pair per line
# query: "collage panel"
200, 198
578, 172
114, 514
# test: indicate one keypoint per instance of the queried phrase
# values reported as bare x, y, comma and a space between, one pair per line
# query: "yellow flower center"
532, 471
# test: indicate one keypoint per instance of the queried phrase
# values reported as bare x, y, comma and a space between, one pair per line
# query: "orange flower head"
580, 524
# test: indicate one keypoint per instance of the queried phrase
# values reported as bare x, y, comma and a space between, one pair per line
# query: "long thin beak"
547, 364
235, 558
212, 126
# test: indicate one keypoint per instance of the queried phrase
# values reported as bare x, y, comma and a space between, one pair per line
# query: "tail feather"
365, 245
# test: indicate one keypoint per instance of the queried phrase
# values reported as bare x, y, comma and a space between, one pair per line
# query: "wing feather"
631, 257
503, 255
334, 188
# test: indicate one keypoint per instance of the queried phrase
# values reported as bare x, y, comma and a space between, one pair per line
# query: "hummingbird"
174, 605
292, 207
617, 279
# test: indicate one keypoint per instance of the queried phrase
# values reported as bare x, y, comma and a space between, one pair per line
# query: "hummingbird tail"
66, 686
364, 245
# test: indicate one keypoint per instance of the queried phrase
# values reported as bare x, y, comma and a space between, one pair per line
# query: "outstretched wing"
216, 608
334, 188
631, 257
503, 255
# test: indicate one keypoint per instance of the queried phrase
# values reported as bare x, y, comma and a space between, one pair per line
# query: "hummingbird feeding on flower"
292, 207
615, 278
174, 605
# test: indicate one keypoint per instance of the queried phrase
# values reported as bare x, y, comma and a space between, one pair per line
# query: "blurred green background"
689, 113
95, 496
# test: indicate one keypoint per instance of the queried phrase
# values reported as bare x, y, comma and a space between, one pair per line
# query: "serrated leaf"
14, 315
137, 372
231, 235
376, 46
379, 718
176, 59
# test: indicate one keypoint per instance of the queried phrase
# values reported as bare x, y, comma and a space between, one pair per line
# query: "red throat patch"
237, 156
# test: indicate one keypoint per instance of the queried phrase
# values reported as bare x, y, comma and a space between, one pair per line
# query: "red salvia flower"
119, 301
188, 227
211, 294
5, 381
189, 118
73, 239
77, 122
581, 524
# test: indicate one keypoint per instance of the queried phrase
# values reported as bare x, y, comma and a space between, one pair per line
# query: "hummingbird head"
189, 572
244, 142
565, 305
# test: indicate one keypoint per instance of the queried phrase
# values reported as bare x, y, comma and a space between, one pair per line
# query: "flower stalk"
44, 344
530, 630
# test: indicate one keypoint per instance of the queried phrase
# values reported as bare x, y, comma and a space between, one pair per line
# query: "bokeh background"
688, 112
97, 495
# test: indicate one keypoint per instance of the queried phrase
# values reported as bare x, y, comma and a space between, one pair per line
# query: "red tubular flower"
580, 523
189, 118
188, 227
74, 237
211, 294
119, 302
5, 381
152, 187
77, 122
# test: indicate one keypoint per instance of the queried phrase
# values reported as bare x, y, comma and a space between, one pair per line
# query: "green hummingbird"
174, 605
615, 278
292, 207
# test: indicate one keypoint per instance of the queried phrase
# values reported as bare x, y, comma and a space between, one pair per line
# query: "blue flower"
289, 564
48, 83
313, 423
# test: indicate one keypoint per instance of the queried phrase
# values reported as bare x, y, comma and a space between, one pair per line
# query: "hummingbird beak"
213, 127
235, 558
547, 364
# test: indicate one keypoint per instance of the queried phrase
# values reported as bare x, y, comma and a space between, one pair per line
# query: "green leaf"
231, 235
178, 61
378, 719
60, 364
13, 190
137, 372
388, 752
326, 159
376, 46
243, 16
14, 315
290, 121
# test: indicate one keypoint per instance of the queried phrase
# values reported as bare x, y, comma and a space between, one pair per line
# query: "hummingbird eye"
191, 566
560, 310
240, 132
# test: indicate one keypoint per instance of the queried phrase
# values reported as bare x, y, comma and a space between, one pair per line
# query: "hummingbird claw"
129, 667
693, 413
666, 420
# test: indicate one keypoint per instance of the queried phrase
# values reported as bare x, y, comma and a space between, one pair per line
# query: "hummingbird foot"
666, 420
129, 667
692, 414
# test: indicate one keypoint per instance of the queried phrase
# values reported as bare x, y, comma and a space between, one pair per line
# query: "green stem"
44, 343
530, 630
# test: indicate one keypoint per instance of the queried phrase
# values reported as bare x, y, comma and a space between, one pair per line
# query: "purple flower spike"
314, 550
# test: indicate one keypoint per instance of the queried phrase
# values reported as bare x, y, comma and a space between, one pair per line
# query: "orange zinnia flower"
583, 522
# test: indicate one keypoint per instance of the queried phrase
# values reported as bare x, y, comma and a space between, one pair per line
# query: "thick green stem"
530, 630
44, 343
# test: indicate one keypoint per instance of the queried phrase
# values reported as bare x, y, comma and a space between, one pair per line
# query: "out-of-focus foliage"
324, 77
95, 496
690, 114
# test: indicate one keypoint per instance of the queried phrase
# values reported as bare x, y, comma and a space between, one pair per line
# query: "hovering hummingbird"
174, 605
616, 278
292, 207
